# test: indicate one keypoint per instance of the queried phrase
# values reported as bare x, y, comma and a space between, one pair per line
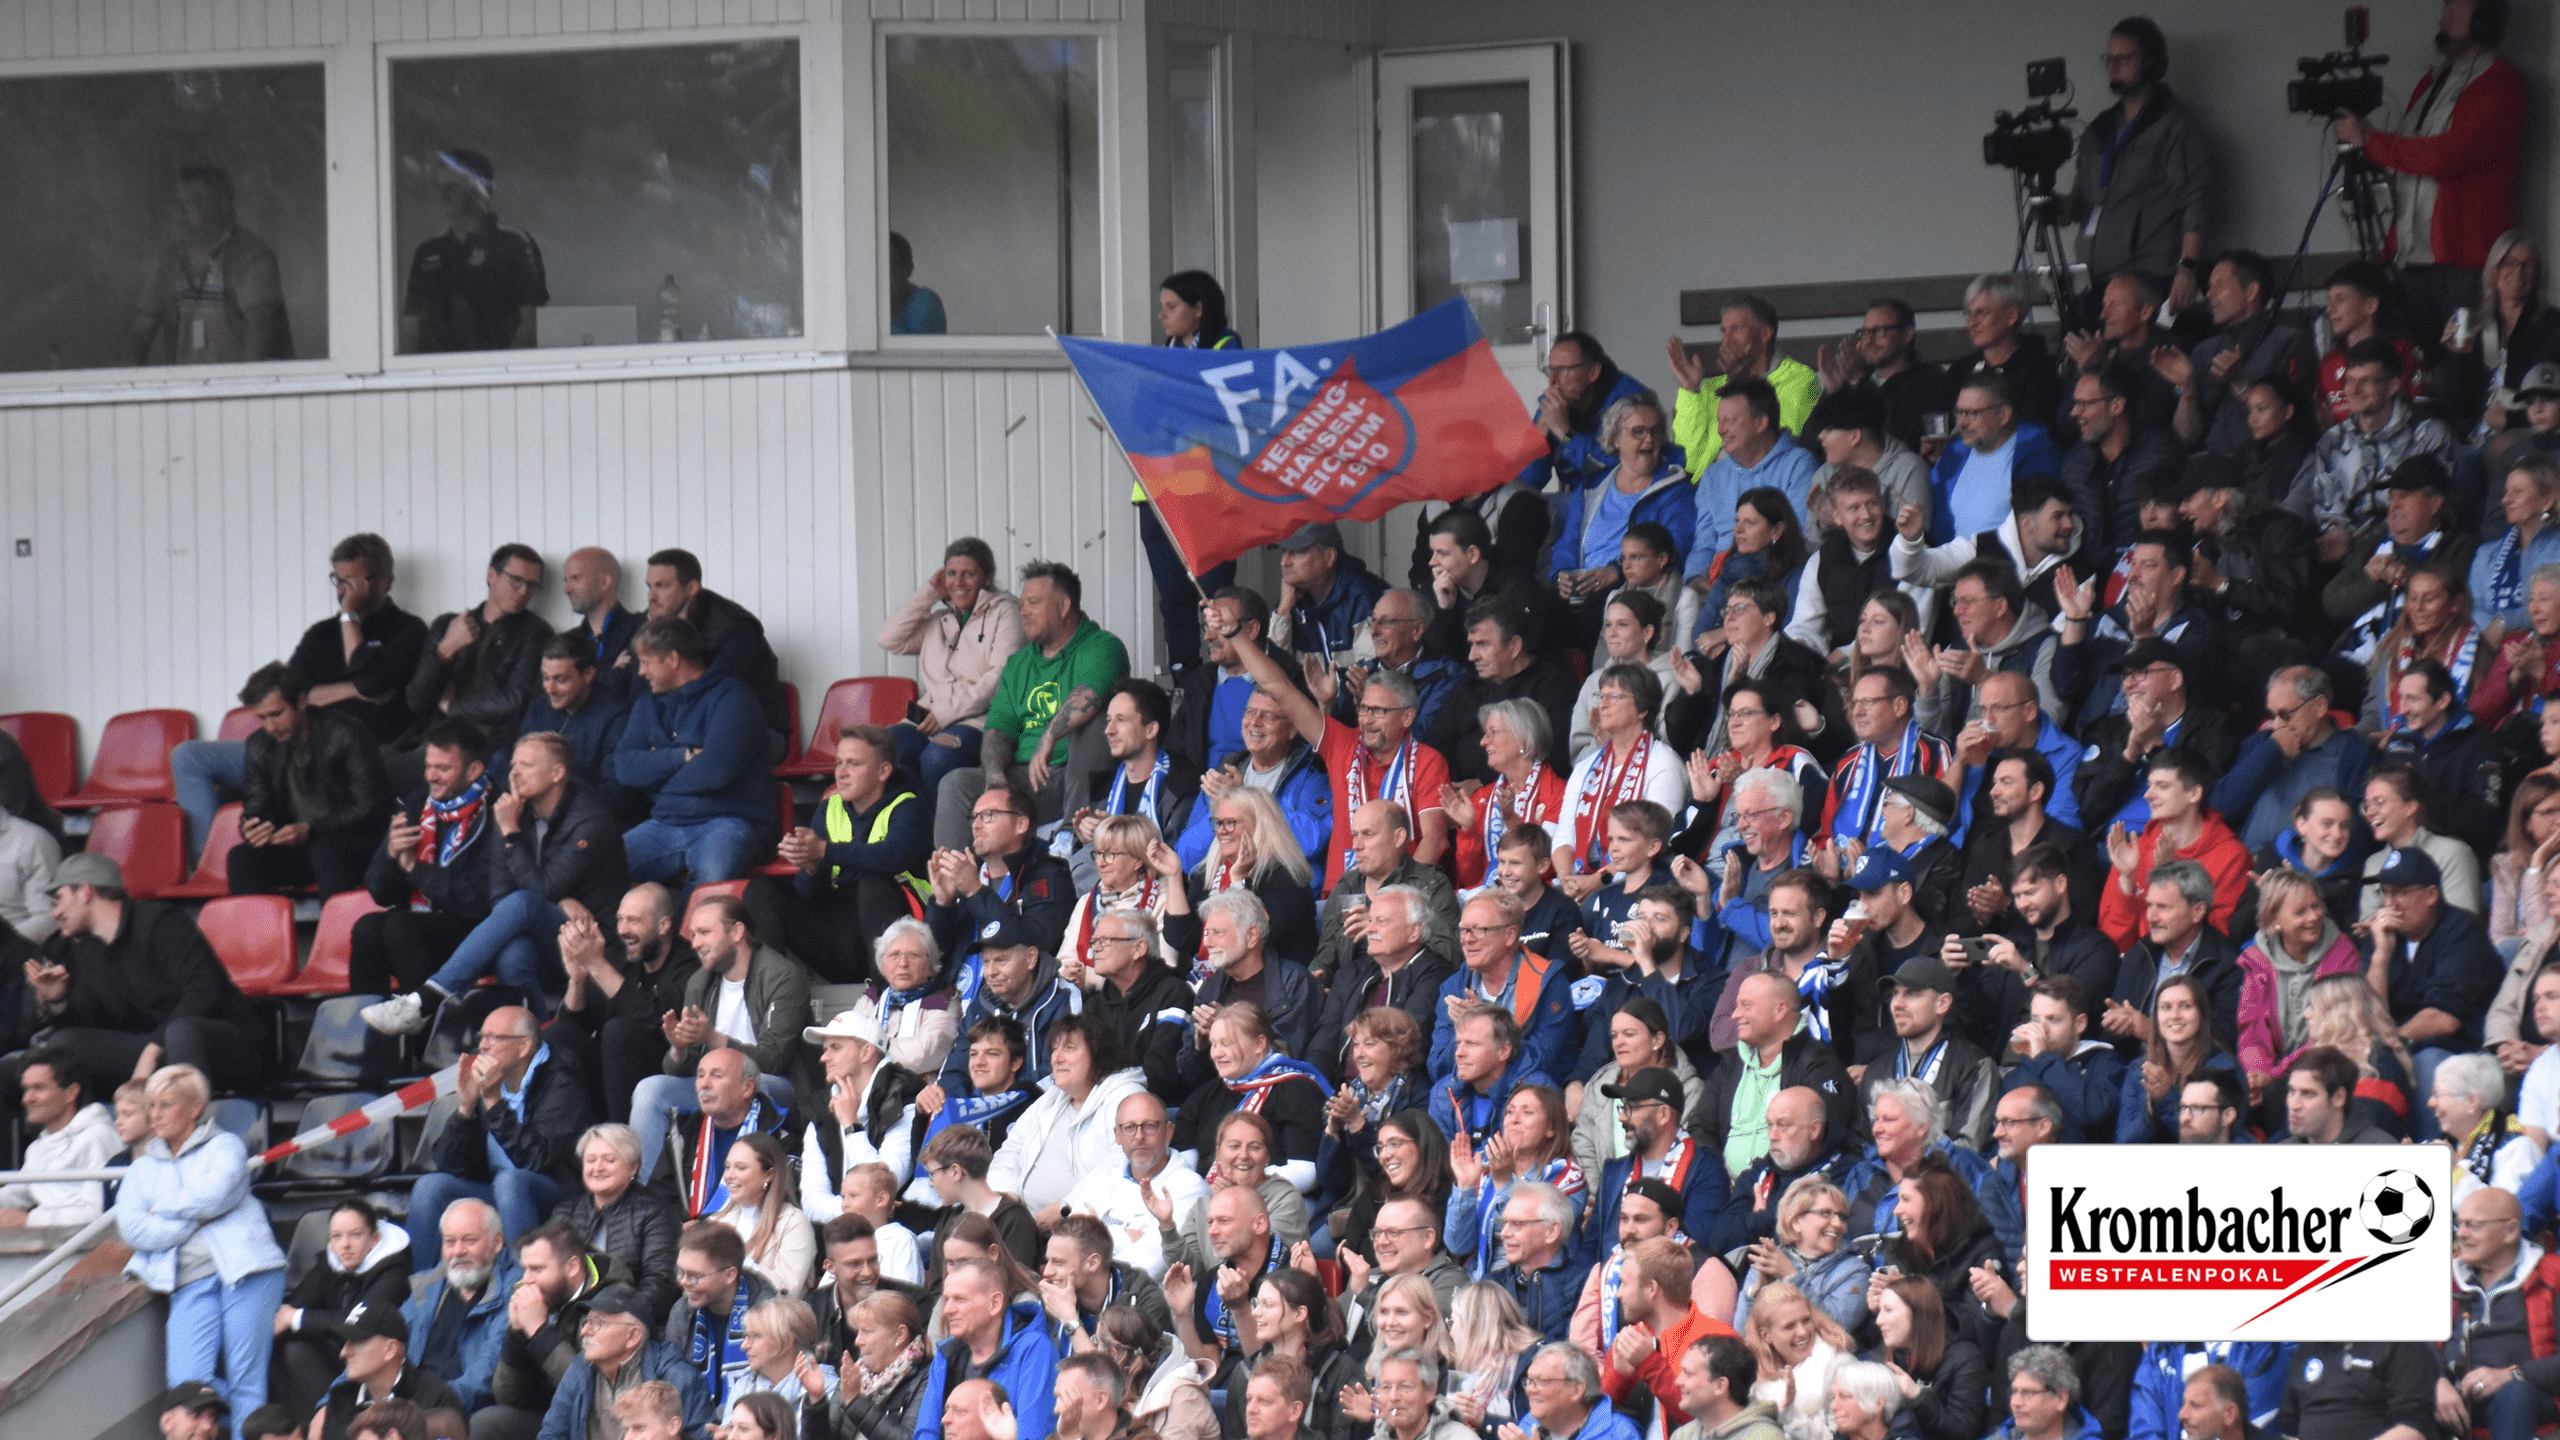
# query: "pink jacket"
961, 663
2261, 1028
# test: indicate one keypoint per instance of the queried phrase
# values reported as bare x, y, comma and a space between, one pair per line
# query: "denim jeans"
207, 773
656, 1101
2516, 1411
233, 1324
705, 850
929, 761
520, 940
523, 1198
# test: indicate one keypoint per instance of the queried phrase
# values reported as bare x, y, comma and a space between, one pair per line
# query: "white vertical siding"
179, 545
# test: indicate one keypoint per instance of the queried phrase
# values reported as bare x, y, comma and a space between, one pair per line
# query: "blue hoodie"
2031, 453
1026, 1365
716, 715
1448, 1091
2160, 1382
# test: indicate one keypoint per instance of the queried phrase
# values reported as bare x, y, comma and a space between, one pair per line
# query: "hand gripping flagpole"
1188, 569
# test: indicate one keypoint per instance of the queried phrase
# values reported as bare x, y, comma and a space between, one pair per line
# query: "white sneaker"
399, 1015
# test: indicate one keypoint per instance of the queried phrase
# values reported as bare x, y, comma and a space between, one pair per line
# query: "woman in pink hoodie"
2296, 944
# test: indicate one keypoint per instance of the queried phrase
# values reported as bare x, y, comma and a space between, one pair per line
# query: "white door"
1472, 192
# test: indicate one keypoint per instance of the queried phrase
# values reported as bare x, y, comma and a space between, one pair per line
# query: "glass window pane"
169, 217
994, 193
1191, 77
598, 197
1471, 202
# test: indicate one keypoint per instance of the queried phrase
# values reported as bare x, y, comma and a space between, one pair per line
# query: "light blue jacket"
203, 1191
2543, 549
1787, 467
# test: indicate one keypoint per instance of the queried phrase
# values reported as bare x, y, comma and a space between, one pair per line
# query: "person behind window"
913, 309
1192, 307
476, 284
212, 295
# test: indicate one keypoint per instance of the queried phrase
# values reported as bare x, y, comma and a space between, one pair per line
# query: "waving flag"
1240, 447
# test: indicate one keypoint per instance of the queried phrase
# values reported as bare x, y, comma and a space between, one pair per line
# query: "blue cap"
1005, 932
1877, 868
2407, 868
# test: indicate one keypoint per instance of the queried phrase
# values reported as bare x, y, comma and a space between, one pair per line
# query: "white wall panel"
179, 545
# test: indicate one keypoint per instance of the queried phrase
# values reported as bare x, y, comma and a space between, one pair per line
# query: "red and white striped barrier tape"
416, 1095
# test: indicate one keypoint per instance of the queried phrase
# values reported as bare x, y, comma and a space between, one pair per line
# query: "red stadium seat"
52, 743
736, 889
148, 841
254, 936
333, 947
213, 867
864, 700
132, 763
237, 722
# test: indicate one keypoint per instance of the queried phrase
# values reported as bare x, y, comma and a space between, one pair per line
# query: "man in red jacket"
2455, 159
1642, 1368
2181, 828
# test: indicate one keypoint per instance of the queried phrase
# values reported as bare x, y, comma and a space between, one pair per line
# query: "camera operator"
2456, 162
2138, 182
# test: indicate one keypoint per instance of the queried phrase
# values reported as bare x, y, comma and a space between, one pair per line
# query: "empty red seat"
52, 743
325, 973
253, 934
132, 763
863, 700
237, 722
213, 867
148, 841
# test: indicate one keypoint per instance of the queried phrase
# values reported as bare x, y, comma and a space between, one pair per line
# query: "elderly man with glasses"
511, 1141
2495, 1374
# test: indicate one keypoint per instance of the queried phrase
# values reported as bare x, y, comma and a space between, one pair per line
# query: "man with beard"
1658, 1148
617, 1355
546, 1313
1801, 1142
457, 1316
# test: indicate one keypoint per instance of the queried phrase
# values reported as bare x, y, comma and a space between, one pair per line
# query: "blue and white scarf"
731, 1366
978, 1110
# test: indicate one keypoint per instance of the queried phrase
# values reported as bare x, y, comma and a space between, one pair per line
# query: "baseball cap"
2149, 651
1308, 537
1924, 971
1660, 1193
1005, 932
194, 1395
1930, 797
615, 1300
86, 868
1877, 868
848, 1025
368, 1321
2421, 472
1650, 1083
2408, 867
2542, 379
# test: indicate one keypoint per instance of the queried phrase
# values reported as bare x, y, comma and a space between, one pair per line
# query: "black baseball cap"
1650, 1083
1924, 971
2144, 653
615, 1300
2421, 472
194, 1395
368, 1321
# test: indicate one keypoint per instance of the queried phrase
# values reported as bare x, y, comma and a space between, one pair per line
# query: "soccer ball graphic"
2397, 1207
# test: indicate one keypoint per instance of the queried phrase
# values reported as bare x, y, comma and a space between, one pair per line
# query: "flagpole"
1189, 571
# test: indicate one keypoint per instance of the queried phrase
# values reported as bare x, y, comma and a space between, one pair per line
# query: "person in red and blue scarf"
1253, 1075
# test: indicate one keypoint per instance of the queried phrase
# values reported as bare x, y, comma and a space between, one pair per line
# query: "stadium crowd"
1602, 987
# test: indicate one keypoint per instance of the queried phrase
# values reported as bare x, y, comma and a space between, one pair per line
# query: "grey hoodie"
2027, 650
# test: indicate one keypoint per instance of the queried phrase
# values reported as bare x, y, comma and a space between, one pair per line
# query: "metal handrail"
57, 1177
55, 1257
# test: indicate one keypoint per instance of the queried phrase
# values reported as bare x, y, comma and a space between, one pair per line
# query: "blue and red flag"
1240, 447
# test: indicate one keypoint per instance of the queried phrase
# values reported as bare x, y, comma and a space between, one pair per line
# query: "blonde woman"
778, 1334
781, 1246
1251, 847
1810, 1252
1798, 1348
1490, 1343
1123, 880
2347, 1016
1404, 1315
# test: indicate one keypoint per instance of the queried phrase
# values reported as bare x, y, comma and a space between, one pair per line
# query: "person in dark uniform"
1192, 307
475, 284
2359, 1390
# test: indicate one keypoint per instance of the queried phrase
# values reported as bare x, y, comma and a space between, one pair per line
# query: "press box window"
597, 197
163, 217
993, 159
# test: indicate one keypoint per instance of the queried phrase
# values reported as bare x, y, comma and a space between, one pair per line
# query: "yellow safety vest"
839, 822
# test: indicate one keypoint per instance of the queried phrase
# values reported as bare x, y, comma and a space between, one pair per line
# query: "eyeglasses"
1543, 1381
1142, 1127
1738, 713
517, 581
2476, 1226
2285, 717
488, 1038
1402, 1229
2211, 1109
998, 813
1481, 932
1755, 817
1226, 827
695, 1277
1508, 1223
1380, 712
1546, 367
1115, 939
1983, 412
1825, 1212
1102, 854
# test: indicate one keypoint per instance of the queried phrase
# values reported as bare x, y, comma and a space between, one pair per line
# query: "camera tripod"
2044, 249
2364, 197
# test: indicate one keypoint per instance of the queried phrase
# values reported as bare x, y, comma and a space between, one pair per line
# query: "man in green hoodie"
1051, 691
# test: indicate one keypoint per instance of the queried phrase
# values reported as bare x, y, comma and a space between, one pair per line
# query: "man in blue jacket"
618, 1338
1325, 591
991, 1339
458, 1316
696, 744
1649, 1103
1020, 984
1468, 1102
2303, 750
557, 851
2160, 1381
579, 703
1527, 986
1991, 451
2083, 1074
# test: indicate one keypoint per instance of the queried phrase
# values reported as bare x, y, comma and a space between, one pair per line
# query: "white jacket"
28, 855
84, 1144
1055, 1142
